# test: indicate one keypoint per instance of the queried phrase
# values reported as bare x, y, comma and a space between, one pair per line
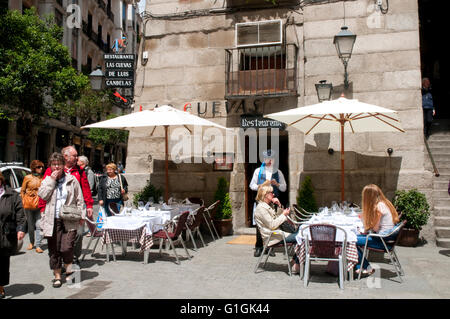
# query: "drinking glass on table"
141, 206
161, 200
151, 201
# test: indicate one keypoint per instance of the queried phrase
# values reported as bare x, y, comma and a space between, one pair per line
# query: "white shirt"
269, 172
61, 196
386, 222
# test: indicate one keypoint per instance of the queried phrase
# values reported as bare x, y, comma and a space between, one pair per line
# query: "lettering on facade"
222, 108
252, 121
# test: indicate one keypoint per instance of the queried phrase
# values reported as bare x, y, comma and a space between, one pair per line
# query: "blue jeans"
291, 239
374, 242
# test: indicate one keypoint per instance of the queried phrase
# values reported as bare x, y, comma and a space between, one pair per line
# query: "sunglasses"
39, 166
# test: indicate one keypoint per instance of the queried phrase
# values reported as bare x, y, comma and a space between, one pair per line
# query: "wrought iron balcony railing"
269, 70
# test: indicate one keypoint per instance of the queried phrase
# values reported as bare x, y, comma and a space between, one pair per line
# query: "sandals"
57, 283
365, 272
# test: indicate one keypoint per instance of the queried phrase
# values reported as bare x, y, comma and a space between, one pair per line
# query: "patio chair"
166, 234
196, 200
300, 214
389, 242
96, 234
113, 208
207, 214
322, 246
279, 244
193, 225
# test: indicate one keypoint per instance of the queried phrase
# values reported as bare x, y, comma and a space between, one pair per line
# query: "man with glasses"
267, 172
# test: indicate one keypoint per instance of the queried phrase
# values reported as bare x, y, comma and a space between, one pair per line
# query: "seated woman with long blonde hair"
378, 216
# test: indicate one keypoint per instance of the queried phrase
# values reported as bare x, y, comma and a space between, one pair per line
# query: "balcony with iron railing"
263, 71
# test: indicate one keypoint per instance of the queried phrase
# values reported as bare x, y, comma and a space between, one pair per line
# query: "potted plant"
414, 208
148, 191
223, 217
305, 196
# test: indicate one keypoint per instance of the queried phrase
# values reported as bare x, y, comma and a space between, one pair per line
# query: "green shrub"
305, 196
414, 208
148, 191
224, 207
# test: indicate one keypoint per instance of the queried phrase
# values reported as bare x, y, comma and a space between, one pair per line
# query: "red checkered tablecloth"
134, 236
351, 255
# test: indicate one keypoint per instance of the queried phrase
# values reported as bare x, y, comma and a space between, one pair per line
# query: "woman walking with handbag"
30, 201
12, 229
112, 188
64, 212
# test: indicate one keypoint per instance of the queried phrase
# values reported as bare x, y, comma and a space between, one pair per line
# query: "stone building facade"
88, 36
191, 46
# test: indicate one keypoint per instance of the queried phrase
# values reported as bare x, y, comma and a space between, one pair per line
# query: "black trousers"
259, 242
427, 121
4, 269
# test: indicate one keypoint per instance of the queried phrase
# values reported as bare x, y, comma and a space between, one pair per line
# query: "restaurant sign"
258, 121
119, 70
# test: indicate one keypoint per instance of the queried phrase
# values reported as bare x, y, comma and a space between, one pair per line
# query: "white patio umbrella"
165, 116
340, 115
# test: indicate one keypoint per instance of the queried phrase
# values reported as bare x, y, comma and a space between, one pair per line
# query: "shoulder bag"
124, 195
70, 213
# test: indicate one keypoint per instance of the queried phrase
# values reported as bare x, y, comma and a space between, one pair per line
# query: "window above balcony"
261, 71
259, 33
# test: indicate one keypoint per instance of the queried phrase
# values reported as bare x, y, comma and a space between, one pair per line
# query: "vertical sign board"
119, 70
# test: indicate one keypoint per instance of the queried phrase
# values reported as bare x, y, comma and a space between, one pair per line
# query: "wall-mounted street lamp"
97, 79
344, 42
324, 90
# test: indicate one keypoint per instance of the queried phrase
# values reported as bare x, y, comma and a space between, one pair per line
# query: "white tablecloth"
125, 222
351, 223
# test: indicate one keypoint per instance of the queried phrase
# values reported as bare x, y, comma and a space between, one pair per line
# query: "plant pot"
224, 226
408, 237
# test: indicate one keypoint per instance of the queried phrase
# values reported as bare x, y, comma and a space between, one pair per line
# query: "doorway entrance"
434, 61
283, 166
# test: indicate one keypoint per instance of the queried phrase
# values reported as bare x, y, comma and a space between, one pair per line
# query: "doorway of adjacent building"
435, 64
250, 167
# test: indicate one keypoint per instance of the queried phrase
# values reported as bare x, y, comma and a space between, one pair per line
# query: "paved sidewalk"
223, 270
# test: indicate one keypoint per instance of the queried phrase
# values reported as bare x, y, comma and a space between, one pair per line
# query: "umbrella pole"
342, 163
166, 195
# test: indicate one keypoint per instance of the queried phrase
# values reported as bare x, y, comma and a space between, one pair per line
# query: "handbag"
70, 213
30, 202
288, 227
124, 195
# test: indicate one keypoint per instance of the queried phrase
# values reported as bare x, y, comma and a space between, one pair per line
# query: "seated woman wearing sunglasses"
268, 219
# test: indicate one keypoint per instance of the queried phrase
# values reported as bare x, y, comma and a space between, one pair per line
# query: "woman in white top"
378, 216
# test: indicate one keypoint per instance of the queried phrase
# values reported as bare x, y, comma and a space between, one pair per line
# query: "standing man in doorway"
267, 172
428, 106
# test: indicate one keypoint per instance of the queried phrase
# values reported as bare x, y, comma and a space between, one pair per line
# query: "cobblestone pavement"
222, 270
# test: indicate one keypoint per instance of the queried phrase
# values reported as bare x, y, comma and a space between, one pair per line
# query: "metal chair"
196, 200
193, 225
300, 214
113, 208
279, 244
322, 246
97, 234
389, 241
208, 214
166, 234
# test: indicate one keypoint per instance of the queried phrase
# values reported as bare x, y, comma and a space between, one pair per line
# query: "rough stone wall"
187, 63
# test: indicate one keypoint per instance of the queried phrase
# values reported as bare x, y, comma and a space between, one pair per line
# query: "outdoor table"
349, 222
139, 226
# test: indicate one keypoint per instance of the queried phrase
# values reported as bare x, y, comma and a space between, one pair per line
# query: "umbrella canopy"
165, 116
340, 116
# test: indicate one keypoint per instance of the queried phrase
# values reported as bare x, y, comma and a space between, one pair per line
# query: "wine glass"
151, 201
161, 200
141, 206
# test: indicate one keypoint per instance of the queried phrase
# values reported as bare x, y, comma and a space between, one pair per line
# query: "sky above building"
141, 6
